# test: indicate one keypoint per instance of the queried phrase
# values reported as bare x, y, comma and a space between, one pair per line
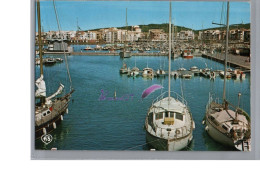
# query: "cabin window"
224, 127
48, 112
166, 114
179, 116
44, 114
150, 118
159, 115
171, 114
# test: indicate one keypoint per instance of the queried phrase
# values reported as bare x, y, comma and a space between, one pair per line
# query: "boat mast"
170, 44
173, 36
226, 53
39, 36
126, 28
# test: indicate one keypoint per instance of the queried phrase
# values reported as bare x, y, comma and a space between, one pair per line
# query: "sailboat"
160, 72
49, 111
226, 123
125, 53
134, 71
148, 72
169, 124
124, 69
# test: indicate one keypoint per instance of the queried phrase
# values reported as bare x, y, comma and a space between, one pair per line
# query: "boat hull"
167, 145
48, 124
148, 75
218, 136
187, 57
125, 54
123, 71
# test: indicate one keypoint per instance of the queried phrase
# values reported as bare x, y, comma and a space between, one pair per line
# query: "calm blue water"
118, 125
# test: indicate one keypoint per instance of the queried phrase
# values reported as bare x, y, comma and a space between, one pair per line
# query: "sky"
103, 14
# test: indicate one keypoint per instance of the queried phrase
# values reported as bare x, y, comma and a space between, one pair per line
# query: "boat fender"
61, 117
67, 110
44, 131
207, 128
54, 125
177, 131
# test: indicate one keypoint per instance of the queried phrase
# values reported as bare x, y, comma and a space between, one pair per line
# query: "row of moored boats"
183, 73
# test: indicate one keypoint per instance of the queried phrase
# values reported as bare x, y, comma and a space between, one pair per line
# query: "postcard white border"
180, 155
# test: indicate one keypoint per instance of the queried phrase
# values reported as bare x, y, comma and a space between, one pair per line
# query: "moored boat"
148, 72
160, 73
187, 54
88, 48
169, 123
49, 111
225, 123
124, 69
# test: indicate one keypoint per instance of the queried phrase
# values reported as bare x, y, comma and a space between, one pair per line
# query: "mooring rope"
142, 144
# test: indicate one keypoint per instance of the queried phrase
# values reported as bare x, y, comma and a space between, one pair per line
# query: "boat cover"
229, 115
41, 91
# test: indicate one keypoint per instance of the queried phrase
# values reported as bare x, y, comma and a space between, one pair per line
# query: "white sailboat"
169, 124
226, 123
125, 53
49, 111
135, 70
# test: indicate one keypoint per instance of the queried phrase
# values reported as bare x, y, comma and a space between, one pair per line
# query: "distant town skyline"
103, 14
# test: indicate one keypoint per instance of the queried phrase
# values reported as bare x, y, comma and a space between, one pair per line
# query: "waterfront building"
186, 35
157, 35
57, 45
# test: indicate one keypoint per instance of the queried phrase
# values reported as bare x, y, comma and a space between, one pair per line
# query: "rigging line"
142, 144
67, 65
181, 84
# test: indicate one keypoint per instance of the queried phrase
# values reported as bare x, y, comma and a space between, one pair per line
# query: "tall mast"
39, 35
126, 25
170, 44
226, 52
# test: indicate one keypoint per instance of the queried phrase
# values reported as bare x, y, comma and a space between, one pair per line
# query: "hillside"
146, 28
165, 27
234, 26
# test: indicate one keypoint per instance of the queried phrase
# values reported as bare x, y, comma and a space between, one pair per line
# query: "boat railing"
177, 133
173, 94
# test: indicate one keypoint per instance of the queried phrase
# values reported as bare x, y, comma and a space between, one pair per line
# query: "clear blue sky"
100, 14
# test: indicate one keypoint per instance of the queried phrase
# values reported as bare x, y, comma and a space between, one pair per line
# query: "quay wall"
233, 60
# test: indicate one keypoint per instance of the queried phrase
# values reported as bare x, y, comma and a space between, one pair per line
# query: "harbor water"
105, 124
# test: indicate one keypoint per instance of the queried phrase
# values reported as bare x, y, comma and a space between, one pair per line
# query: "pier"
233, 60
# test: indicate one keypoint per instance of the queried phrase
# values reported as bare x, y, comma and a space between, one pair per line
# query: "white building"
185, 35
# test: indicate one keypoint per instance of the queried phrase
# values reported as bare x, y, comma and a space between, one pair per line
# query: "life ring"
177, 131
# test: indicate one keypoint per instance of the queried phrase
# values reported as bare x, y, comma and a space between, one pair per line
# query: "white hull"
218, 136
168, 145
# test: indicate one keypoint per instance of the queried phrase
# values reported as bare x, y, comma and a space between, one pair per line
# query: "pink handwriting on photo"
125, 97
